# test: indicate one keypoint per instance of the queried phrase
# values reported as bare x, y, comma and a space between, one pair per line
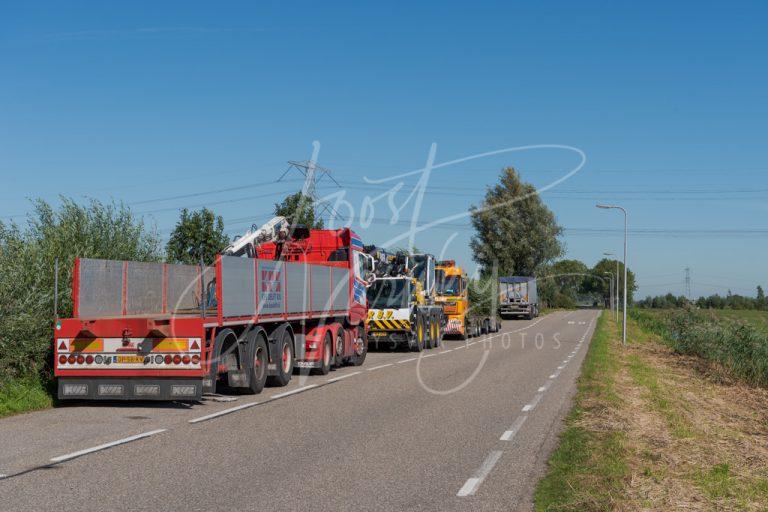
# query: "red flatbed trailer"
159, 331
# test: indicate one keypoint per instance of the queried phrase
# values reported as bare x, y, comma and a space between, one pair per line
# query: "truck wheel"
429, 332
258, 359
327, 356
285, 362
360, 350
438, 333
530, 314
419, 337
463, 336
339, 349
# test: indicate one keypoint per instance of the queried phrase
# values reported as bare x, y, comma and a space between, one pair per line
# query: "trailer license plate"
379, 334
130, 359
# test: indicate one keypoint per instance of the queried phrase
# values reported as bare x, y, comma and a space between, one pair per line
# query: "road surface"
467, 426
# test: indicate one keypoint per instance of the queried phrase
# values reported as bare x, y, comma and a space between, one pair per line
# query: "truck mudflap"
133, 388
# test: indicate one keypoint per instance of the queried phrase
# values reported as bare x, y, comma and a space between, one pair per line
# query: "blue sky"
164, 105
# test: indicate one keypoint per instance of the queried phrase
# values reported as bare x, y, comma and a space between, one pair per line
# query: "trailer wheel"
327, 356
285, 362
438, 332
224, 337
258, 359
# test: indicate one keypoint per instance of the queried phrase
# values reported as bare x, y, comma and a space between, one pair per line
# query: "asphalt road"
467, 426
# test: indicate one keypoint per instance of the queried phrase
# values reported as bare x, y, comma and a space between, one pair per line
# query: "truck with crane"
279, 298
401, 301
463, 318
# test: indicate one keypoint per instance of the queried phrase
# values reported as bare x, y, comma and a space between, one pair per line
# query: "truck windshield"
448, 285
388, 293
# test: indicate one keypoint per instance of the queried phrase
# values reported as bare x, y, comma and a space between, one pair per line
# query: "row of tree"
517, 234
716, 301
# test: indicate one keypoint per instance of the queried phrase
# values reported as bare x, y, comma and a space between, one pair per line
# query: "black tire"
258, 359
358, 358
327, 356
222, 338
531, 314
429, 331
285, 362
439, 331
418, 336
338, 349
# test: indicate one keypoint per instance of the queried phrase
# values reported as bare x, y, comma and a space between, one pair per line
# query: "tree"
514, 229
299, 210
760, 300
197, 234
603, 287
27, 255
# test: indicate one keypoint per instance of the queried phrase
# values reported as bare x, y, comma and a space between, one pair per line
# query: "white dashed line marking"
457, 348
69, 456
527, 408
380, 367
224, 412
553, 376
471, 485
509, 434
536, 400
542, 389
337, 379
407, 360
293, 392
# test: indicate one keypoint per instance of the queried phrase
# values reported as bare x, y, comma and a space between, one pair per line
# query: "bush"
27, 256
740, 348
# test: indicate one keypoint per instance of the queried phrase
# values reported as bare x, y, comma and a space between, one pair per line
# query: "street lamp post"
616, 294
610, 289
624, 323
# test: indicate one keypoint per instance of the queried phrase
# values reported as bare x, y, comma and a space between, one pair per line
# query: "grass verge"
587, 470
653, 429
22, 395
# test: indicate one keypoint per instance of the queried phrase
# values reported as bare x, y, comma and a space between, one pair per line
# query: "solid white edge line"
553, 376
341, 377
223, 413
460, 346
407, 360
379, 367
293, 392
471, 485
509, 434
527, 408
73, 455
542, 389
446, 351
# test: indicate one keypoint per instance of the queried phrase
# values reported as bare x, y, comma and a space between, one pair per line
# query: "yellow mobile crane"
401, 301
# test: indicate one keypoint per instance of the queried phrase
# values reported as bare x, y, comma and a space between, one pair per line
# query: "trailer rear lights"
158, 359
195, 359
62, 359
185, 359
99, 359
75, 389
183, 390
89, 359
177, 359
71, 359
168, 359
80, 360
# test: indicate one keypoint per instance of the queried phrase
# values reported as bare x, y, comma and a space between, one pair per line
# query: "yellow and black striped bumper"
389, 325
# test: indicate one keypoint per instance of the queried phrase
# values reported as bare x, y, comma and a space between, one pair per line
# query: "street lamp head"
606, 206
608, 254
